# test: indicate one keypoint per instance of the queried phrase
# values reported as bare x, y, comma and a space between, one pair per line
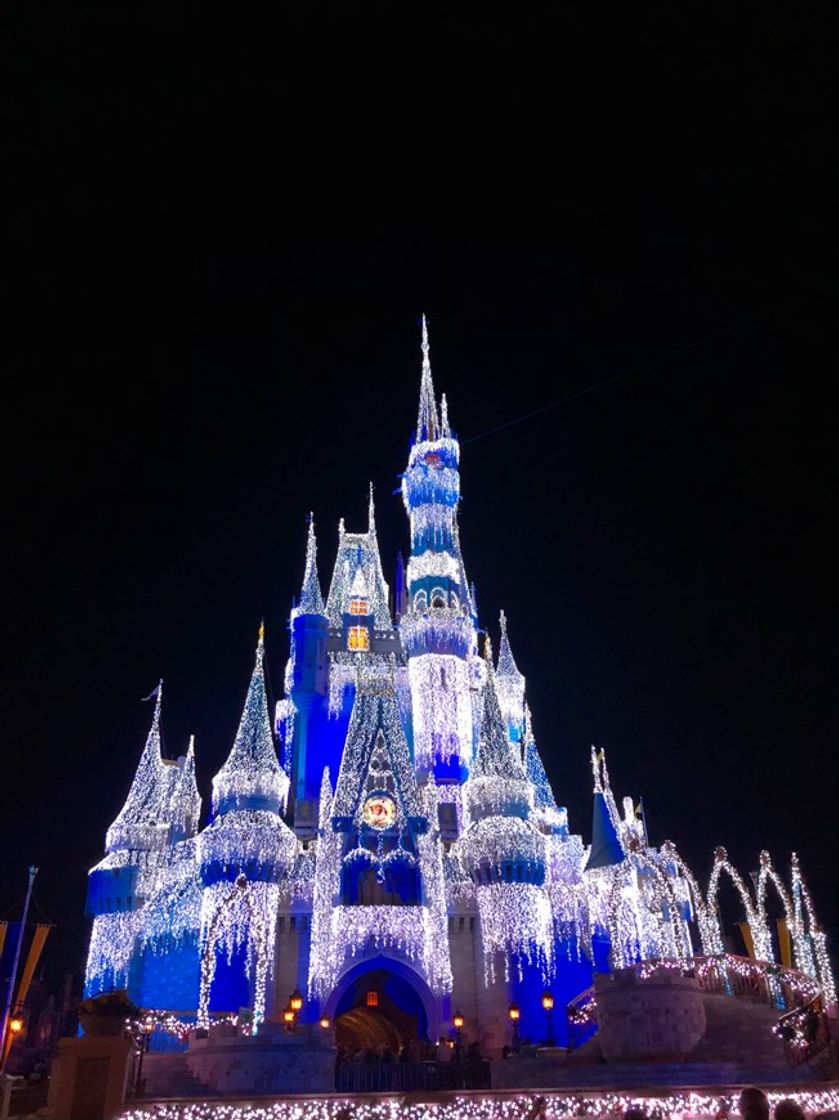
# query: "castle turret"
510, 683
504, 854
243, 854
437, 630
185, 802
308, 676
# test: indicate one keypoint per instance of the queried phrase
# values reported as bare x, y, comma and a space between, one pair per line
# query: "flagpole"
33, 871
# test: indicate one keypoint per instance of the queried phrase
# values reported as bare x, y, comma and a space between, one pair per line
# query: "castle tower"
504, 853
377, 885
243, 854
162, 808
307, 682
510, 683
437, 629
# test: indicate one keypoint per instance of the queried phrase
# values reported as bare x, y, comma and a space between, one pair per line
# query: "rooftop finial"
427, 425
371, 513
445, 428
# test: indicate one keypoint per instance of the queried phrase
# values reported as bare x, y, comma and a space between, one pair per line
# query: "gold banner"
745, 930
35, 949
784, 943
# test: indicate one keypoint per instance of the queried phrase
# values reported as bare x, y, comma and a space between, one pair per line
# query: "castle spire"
252, 777
427, 424
606, 849
311, 599
145, 807
371, 513
185, 805
445, 427
506, 662
494, 757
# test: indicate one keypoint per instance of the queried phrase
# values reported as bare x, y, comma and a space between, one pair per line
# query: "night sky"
223, 233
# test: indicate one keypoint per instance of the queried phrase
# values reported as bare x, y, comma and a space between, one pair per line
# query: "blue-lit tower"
437, 628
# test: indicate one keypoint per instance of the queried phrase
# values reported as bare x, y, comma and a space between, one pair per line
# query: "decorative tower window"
358, 606
359, 638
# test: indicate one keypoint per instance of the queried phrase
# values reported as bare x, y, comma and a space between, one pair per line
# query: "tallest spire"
427, 423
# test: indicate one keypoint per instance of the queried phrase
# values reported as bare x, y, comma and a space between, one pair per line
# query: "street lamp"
143, 1044
295, 1001
16, 1025
515, 1014
289, 1016
548, 1007
325, 1022
457, 1023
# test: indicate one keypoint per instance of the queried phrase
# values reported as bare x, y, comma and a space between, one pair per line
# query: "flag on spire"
311, 599
427, 424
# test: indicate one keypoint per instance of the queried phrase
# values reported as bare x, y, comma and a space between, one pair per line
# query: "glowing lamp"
547, 1001
324, 1022
16, 1025
458, 1020
295, 1001
372, 999
288, 1015
514, 1012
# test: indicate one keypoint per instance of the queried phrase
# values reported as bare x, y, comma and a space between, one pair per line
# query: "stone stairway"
167, 1075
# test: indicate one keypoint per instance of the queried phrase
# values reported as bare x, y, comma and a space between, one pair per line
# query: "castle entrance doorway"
379, 1011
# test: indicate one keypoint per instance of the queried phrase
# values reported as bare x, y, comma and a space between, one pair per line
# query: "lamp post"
515, 1014
33, 871
548, 1007
325, 1022
295, 1001
289, 1016
143, 1043
457, 1023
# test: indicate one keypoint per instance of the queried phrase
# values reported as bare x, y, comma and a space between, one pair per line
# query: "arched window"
438, 597
420, 601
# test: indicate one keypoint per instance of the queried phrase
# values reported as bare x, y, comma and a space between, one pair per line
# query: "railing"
803, 1029
405, 1077
581, 1014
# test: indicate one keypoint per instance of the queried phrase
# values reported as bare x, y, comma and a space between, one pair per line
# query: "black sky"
222, 234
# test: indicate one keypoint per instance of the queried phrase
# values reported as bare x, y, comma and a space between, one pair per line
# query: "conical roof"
143, 819
606, 848
185, 802
311, 599
252, 777
494, 757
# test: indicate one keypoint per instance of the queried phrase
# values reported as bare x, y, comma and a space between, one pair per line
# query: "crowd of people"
419, 1063
753, 1104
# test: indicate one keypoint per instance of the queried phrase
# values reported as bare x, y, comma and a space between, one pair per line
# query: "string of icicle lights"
547, 1106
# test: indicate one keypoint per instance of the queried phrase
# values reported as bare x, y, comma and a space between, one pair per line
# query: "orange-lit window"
358, 606
359, 637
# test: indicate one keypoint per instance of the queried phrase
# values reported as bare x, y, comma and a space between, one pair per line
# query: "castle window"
420, 601
438, 597
359, 638
358, 606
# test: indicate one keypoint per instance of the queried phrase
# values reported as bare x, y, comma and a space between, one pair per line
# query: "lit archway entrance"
381, 1005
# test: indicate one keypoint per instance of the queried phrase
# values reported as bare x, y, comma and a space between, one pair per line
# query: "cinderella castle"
386, 844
